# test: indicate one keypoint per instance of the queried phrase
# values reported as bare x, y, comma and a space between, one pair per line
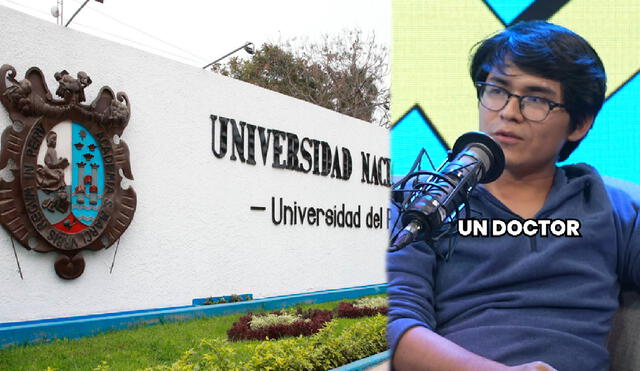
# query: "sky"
197, 32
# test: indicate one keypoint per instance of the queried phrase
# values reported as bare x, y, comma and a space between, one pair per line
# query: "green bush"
211, 354
236, 298
362, 339
327, 349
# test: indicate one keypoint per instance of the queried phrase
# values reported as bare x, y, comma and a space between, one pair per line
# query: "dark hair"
553, 52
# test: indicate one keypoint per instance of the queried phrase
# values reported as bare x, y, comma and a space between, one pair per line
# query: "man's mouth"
507, 137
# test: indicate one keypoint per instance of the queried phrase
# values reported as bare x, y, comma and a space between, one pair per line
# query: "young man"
538, 302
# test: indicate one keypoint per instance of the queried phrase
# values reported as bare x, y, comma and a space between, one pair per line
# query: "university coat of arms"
67, 163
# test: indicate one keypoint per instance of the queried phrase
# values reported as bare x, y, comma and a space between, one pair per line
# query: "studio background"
434, 100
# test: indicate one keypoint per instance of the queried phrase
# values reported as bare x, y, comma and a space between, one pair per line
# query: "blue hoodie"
522, 299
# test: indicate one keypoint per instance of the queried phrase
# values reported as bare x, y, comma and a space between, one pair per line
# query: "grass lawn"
136, 348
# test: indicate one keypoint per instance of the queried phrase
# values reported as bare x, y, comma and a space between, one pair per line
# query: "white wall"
193, 234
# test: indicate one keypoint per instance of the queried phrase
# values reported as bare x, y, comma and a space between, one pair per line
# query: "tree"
346, 73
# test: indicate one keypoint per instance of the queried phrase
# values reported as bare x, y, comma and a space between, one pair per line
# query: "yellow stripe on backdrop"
430, 59
432, 41
612, 28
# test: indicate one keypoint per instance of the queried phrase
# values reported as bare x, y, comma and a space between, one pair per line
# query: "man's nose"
512, 111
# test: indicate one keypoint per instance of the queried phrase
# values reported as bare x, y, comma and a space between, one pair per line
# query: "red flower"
348, 310
87, 179
241, 330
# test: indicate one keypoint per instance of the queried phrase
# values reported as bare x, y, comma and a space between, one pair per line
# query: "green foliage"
235, 298
364, 338
371, 302
103, 366
286, 354
327, 349
132, 349
324, 350
211, 354
209, 301
347, 73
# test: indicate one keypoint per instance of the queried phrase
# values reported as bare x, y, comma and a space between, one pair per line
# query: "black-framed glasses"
533, 108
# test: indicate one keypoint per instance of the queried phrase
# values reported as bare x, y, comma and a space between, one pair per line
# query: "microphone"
475, 158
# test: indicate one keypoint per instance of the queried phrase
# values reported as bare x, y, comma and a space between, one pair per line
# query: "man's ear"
581, 130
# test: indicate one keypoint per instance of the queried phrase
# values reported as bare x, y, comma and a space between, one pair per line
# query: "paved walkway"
384, 366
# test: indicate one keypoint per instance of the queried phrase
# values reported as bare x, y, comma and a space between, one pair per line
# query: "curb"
365, 363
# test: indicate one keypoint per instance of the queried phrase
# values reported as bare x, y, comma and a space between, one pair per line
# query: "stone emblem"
63, 190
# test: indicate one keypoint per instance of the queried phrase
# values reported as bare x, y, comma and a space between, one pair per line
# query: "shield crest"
65, 194
70, 177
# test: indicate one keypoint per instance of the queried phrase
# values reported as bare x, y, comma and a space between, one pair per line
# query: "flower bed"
275, 325
233, 298
364, 307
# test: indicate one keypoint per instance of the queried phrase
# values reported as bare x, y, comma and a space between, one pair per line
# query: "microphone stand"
436, 202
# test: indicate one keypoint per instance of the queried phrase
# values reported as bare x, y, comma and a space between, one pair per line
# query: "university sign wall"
65, 195
261, 184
